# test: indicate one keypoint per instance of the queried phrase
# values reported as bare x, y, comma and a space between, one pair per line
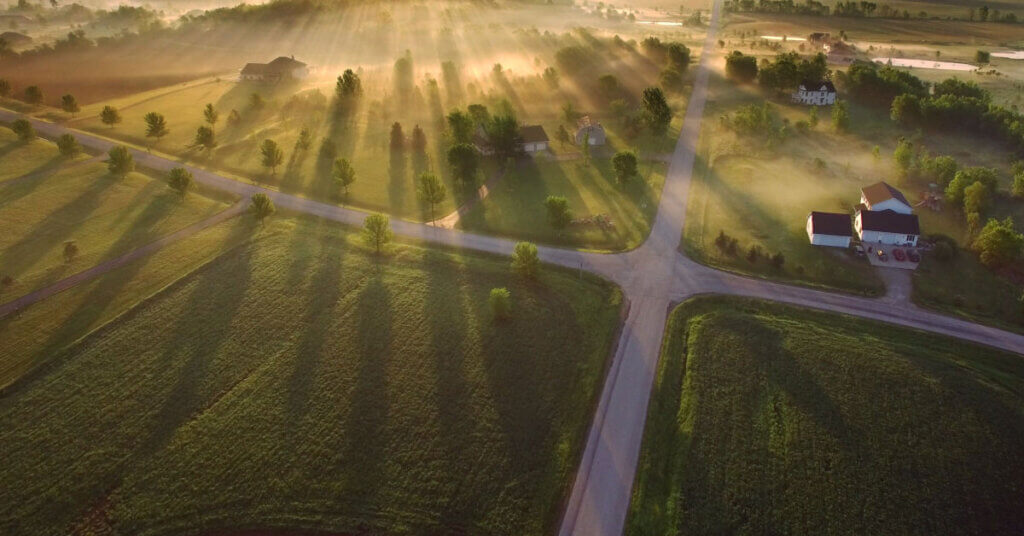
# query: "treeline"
861, 9
951, 105
783, 73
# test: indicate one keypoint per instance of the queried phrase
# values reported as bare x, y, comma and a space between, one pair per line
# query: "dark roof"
15, 38
284, 62
280, 66
532, 133
888, 221
830, 223
811, 85
880, 192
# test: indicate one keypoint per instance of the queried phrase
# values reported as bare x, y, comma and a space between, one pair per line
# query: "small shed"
829, 229
534, 138
585, 127
882, 196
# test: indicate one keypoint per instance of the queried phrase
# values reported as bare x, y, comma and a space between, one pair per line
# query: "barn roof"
811, 85
532, 133
830, 223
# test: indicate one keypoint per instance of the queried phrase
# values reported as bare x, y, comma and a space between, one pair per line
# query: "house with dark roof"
280, 69
15, 39
812, 93
533, 138
881, 196
591, 131
829, 229
887, 227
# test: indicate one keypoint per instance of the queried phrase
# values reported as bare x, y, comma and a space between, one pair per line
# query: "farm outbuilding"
887, 227
829, 229
881, 196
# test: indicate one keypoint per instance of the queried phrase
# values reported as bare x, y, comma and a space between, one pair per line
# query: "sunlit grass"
18, 158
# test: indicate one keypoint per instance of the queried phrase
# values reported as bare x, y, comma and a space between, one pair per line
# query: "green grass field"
299, 382
104, 216
772, 419
20, 158
515, 207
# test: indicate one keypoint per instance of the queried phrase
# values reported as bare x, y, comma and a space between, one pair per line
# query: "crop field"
301, 382
516, 206
105, 216
772, 419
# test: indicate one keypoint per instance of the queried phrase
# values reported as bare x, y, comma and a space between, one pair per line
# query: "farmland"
366, 394
770, 418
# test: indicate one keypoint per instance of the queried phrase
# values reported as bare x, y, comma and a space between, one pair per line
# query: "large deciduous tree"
464, 160
656, 112
156, 126
180, 180
625, 164
271, 155
261, 206
69, 104
120, 161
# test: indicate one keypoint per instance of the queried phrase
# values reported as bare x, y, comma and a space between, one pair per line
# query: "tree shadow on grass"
398, 179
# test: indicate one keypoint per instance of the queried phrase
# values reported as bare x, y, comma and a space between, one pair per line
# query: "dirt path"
112, 264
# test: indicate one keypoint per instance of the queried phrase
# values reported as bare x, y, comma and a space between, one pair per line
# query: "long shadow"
367, 414
42, 239
19, 187
291, 176
398, 176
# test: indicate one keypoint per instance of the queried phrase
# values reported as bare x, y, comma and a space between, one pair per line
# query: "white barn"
815, 93
829, 229
887, 227
881, 196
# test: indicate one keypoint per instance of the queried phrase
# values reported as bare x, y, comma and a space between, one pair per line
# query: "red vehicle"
899, 255
913, 256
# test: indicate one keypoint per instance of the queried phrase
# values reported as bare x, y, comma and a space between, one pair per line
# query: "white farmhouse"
887, 227
880, 196
815, 93
829, 229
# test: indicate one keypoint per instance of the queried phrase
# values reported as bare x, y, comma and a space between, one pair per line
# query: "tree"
998, 243
740, 67
110, 116
344, 174
328, 150
305, 139
525, 260
69, 104
120, 161
499, 301
551, 77
24, 130
840, 116
419, 139
968, 176
397, 138
156, 126
812, 117
562, 135
976, 198
180, 180
271, 154
261, 206
348, 86
503, 135
464, 160
1018, 185
478, 113
377, 231
33, 95
904, 157
431, 191
460, 127
570, 114
205, 139
5, 88
656, 112
609, 85
625, 164
70, 251
256, 102
68, 145
678, 56
211, 115
559, 215
982, 56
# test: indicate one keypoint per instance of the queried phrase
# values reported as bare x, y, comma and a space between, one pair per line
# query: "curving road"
653, 277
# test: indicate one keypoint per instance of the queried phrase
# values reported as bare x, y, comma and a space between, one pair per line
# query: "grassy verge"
964, 287
766, 417
299, 382
21, 158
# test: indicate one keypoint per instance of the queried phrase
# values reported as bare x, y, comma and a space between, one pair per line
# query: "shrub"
753, 254
778, 260
559, 214
525, 260
998, 243
180, 180
24, 130
739, 67
261, 206
625, 164
500, 303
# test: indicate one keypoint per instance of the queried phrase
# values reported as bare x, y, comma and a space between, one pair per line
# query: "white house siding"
535, 147
830, 240
889, 204
818, 98
888, 238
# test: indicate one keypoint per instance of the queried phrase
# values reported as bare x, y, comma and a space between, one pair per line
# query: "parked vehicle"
913, 256
898, 254
882, 256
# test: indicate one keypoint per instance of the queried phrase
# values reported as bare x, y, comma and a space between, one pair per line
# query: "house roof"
811, 85
888, 221
830, 223
532, 133
880, 192
280, 66
15, 38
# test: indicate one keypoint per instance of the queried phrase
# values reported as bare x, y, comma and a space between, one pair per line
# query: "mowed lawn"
105, 216
772, 419
300, 382
515, 206
18, 158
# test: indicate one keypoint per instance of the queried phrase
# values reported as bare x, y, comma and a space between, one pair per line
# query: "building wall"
830, 240
820, 98
888, 238
889, 204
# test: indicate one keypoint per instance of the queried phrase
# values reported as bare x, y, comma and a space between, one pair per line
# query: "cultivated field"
299, 381
767, 418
